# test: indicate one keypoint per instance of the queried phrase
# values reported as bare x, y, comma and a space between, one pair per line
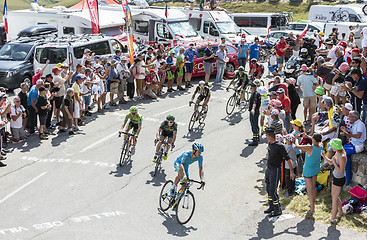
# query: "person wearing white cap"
124, 73
346, 121
39, 73
276, 123
88, 55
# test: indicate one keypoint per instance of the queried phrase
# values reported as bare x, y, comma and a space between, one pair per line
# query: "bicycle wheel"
127, 152
123, 153
165, 197
157, 163
185, 208
202, 117
192, 121
247, 93
231, 104
262, 82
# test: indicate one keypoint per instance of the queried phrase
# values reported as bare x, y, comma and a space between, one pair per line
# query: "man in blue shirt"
359, 91
189, 64
31, 106
117, 57
255, 49
242, 53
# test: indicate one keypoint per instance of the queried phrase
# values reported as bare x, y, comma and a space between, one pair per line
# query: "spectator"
150, 54
340, 77
307, 84
117, 56
18, 112
254, 109
242, 53
97, 61
50, 97
291, 42
311, 167
39, 73
31, 106
276, 122
338, 161
67, 109
358, 137
221, 63
78, 70
60, 82
277, 85
255, 49
151, 84
209, 58
292, 153
43, 106
282, 46
77, 101
330, 51
162, 51
286, 103
113, 82
346, 121
364, 41
86, 91
189, 54
23, 101
293, 96
140, 78
272, 62
325, 73
124, 74
180, 68
328, 130
88, 55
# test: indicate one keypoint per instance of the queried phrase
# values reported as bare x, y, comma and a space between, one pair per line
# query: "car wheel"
230, 68
27, 79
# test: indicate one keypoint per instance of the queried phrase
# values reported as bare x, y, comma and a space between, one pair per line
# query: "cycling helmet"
241, 69
253, 60
201, 84
170, 118
304, 50
198, 147
133, 109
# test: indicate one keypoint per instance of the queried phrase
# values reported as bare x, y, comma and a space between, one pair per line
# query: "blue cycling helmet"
198, 147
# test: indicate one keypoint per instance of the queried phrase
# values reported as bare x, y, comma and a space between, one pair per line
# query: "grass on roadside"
299, 204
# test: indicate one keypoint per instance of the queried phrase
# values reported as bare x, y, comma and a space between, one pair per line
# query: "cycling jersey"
205, 93
187, 158
167, 131
240, 79
138, 119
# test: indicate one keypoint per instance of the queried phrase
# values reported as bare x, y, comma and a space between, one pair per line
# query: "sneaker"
5, 150
173, 90
253, 144
2, 158
165, 156
154, 158
275, 214
190, 85
71, 133
207, 84
2, 164
90, 108
169, 90
76, 128
43, 137
132, 150
122, 101
180, 88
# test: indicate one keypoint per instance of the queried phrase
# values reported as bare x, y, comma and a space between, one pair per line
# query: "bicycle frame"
186, 190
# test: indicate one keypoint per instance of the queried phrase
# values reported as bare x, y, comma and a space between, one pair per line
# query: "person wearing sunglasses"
204, 94
168, 129
135, 123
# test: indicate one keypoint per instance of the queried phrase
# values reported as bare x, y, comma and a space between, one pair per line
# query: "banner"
94, 16
130, 38
5, 17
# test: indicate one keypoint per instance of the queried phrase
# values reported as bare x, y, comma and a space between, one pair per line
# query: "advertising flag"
130, 38
304, 32
94, 16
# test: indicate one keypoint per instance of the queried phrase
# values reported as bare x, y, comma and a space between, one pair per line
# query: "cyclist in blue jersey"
182, 166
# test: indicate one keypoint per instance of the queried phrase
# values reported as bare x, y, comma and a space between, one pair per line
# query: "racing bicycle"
183, 203
235, 101
160, 155
126, 148
198, 116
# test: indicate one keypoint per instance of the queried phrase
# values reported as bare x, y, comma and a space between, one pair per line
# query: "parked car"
231, 65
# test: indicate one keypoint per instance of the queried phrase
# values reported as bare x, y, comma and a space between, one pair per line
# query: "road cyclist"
204, 94
135, 123
240, 81
167, 129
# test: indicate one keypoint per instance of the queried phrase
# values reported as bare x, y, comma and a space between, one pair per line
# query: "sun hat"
304, 67
290, 137
275, 112
279, 137
336, 143
297, 122
151, 71
291, 80
39, 82
356, 50
348, 106
344, 66
320, 90
276, 103
56, 69
86, 50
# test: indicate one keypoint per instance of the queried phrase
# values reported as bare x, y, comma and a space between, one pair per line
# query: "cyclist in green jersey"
241, 79
168, 129
135, 123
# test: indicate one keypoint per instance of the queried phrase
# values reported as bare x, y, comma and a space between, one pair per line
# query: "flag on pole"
130, 38
123, 4
166, 11
304, 32
5, 17
94, 16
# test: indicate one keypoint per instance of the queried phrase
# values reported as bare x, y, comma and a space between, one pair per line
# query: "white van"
339, 13
214, 25
259, 23
69, 50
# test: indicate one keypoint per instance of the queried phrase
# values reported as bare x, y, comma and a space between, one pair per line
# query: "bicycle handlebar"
194, 181
129, 134
197, 104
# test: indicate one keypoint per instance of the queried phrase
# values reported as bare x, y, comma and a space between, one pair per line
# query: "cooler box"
359, 193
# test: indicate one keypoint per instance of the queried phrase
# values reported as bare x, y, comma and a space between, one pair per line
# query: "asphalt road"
71, 187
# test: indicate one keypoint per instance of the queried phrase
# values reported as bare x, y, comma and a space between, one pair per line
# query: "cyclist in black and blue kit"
182, 166
204, 94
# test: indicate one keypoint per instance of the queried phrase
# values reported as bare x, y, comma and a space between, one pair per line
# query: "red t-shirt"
285, 87
35, 78
279, 46
286, 102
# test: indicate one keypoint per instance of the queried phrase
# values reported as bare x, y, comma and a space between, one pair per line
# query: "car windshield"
15, 52
228, 28
182, 29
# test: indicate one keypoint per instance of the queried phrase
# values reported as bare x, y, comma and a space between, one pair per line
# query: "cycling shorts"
168, 134
177, 166
134, 126
201, 97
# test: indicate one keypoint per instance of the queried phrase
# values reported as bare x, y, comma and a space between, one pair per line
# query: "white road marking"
22, 187
170, 110
98, 142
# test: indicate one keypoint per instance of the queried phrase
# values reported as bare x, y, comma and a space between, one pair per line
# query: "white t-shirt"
273, 59
156, 65
61, 82
358, 126
332, 55
19, 122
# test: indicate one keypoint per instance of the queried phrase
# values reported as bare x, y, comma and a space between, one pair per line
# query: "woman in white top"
364, 41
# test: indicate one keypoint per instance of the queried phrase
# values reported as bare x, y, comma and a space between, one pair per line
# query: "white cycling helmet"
201, 83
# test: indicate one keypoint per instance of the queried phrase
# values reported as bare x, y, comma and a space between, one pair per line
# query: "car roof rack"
72, 38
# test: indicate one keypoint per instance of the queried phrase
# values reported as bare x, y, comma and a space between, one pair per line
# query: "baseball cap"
344, 66
348, 106
79, 76
290, 137
297, 122
356, 50
275, 112
42, 89
280, 90
54, 69
269, 130
38, 70
279, 137
328, 41
151, 71
114, 61
321, 59
304, 67
252, 84
39, 82
343, 44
